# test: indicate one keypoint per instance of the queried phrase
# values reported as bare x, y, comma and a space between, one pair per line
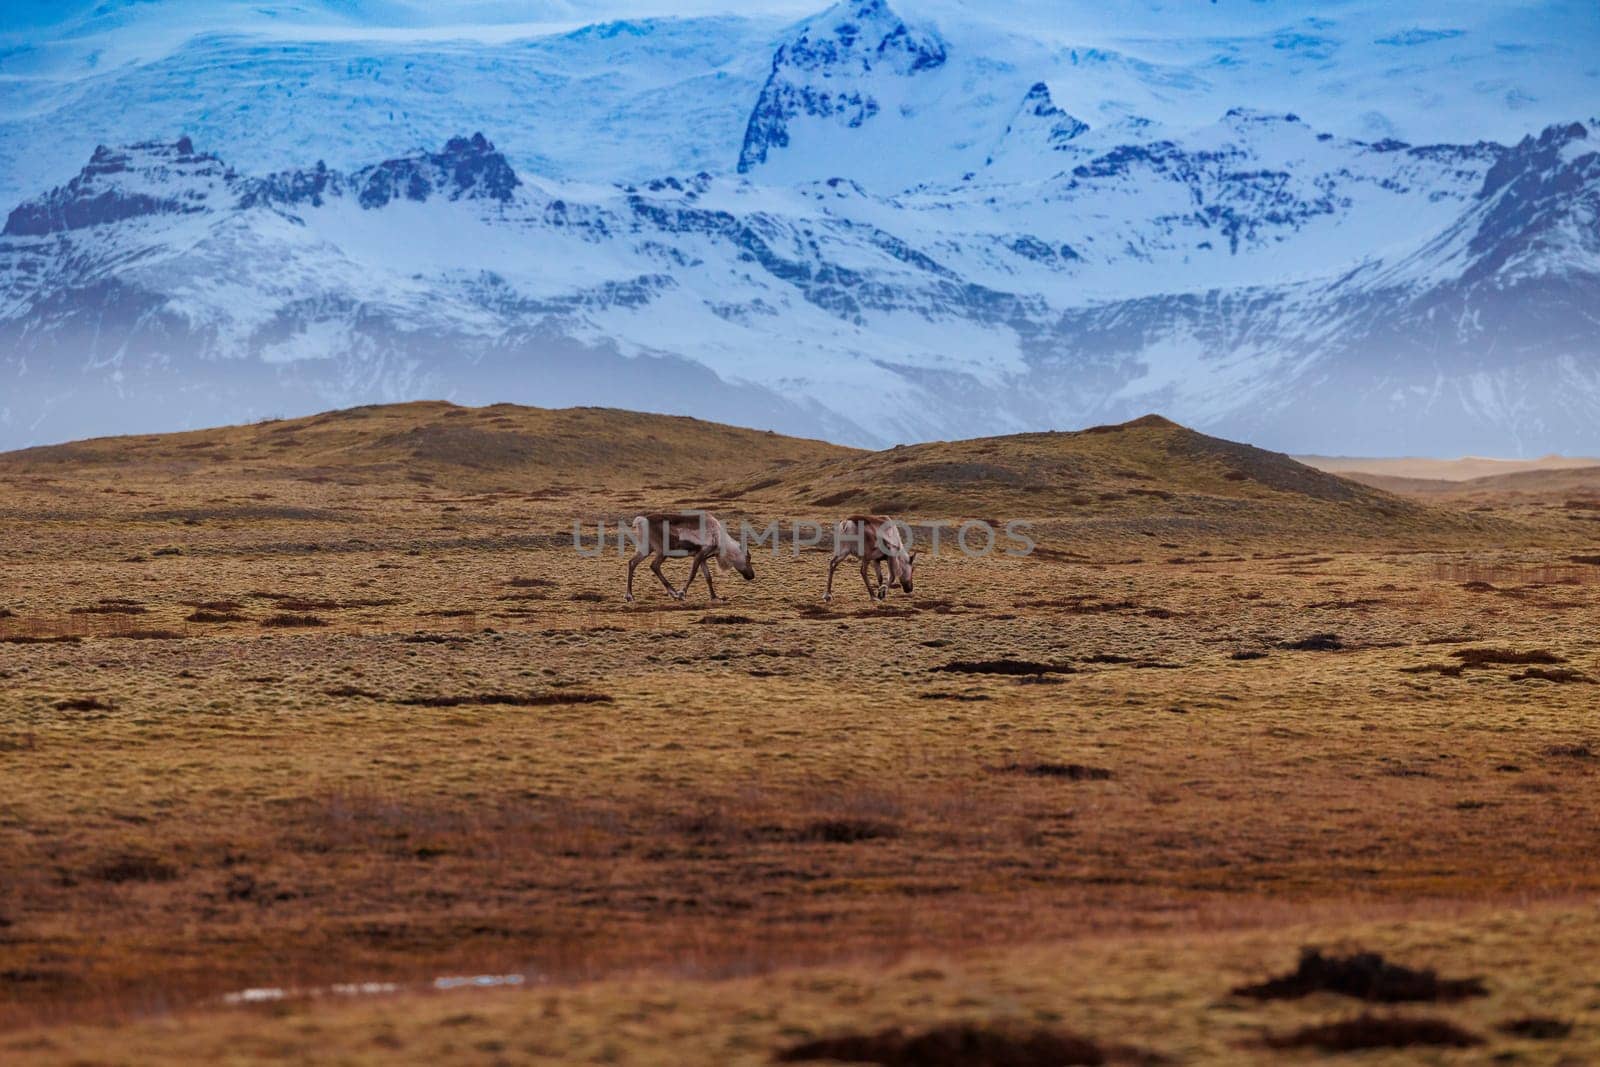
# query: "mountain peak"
146, 178
469, 168
835, 71
857, 37
1038, 125
1039, 110
853, 16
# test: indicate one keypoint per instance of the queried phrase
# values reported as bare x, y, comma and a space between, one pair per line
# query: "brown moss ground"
195, 807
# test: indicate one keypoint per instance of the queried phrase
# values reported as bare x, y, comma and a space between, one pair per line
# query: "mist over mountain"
1326, 228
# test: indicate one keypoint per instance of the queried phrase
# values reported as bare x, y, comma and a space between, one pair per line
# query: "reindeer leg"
709, 585
632, 565
871, 593
833, 565
655, 565
701, 559
694, 568
877, 570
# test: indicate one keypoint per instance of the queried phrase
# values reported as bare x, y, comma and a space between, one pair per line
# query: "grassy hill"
504, 445
1150, 475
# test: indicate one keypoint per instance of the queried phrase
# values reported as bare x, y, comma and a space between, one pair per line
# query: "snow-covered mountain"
869, 224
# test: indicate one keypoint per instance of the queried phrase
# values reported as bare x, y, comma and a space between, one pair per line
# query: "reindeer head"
736, 556
901, 571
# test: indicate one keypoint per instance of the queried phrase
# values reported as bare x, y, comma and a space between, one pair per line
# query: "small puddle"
478, 981
271, 994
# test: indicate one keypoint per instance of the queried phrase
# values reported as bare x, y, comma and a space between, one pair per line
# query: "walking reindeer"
686, 533
876, 540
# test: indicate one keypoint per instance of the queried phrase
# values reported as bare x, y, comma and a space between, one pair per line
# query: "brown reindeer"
876, 540
686, 533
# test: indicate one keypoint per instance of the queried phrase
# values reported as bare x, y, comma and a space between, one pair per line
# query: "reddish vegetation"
952, 1046
1377, 1031
1537, 1028
1075, 772
1005, 666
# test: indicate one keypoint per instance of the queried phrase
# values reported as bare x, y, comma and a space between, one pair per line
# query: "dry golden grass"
1283, 712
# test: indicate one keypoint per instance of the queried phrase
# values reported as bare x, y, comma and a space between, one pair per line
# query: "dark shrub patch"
1552, 674
109, 608
1092, 608
1248, 654
83, 704
133, 867
299, 604
1365, 975
1479, 657
1004, 666
960, 697
352, 691
288, 621
21, 639
1570, 751
530, 583
1448, 670
1316, 643
587, 598
726, 620
1537, 1028
527, 700
959, 1045
1375, 1031
29, 976
847, 831
214, 616
1074, 772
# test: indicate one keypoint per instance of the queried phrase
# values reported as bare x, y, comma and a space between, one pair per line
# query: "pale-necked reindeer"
876, 540
686, 533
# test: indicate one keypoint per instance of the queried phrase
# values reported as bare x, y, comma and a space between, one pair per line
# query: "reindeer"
686, 533
875, 539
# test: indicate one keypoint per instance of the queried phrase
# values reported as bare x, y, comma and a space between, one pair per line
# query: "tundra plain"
332, 707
